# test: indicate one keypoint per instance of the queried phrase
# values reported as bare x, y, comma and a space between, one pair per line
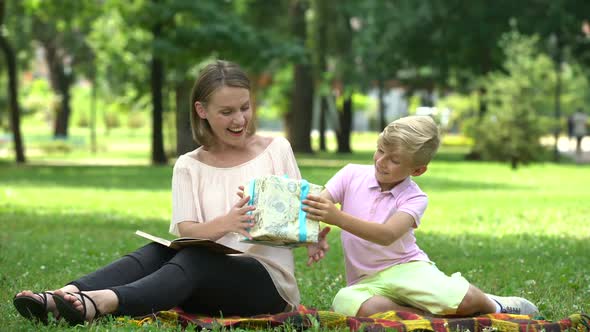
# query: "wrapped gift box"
278, 218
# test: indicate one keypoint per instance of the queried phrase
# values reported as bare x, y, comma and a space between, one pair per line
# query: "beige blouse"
201, 193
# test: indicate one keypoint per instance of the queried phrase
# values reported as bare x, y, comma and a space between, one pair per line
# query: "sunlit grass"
523, 232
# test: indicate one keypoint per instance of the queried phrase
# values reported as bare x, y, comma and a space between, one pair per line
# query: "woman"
204, 185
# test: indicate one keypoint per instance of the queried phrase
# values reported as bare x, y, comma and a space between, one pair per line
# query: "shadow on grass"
159, 178
446, 153
441, 184
321, 174
115, 177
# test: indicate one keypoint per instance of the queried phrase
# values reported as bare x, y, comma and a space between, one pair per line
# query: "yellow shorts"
415, 284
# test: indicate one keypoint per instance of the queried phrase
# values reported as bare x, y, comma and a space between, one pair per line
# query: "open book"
182, 242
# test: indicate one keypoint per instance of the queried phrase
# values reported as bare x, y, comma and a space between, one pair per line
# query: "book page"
153, 238
190, 242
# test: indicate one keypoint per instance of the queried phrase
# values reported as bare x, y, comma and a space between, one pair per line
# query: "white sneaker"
515, 305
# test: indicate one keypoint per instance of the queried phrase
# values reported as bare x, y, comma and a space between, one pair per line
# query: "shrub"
512, 127
136, 120
111, 120
83, 120
56, 146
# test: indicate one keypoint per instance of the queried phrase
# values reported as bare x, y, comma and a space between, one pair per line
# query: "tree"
12, 91
512, 127
378, 45
346, 72
322, 11
191, 32
157, 78
299, 116
562, 33
61, 28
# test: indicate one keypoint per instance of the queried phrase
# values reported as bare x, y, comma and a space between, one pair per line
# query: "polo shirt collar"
373, 184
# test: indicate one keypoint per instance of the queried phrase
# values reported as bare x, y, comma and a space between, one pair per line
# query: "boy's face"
392, 168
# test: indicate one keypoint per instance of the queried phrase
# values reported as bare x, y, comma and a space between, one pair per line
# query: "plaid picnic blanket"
305, 318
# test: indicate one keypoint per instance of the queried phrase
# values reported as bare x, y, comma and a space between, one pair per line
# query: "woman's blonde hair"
416, 136
215, 75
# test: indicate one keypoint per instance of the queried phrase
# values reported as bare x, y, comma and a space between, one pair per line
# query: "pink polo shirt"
359, 194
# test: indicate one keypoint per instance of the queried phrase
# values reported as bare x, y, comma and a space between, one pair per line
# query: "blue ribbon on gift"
251, 193
302, 214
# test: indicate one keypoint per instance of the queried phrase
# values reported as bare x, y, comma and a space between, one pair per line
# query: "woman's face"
229, 114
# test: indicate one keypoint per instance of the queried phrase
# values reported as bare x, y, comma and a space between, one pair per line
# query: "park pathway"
568, 148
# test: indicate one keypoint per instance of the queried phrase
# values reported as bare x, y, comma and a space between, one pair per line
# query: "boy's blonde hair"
417, 136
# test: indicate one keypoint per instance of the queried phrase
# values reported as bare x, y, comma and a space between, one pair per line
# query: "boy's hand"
317, 251
321, 209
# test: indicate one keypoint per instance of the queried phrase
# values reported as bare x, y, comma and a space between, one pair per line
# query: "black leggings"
155, 278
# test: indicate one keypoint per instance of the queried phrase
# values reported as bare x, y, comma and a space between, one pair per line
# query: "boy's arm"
322, 208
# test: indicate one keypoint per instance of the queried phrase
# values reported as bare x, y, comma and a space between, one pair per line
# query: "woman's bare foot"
48, 300
79, 307
38, 305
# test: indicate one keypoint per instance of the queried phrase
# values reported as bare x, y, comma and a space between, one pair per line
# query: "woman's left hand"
317, 251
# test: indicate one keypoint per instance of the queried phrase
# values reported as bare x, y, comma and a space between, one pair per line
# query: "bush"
83, 120
136, 120
56, 146
111, 120
512, 127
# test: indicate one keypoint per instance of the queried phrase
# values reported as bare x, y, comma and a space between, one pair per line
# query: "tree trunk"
13, 95
61, 83
322, 15
301, 109
93, 144
483, 109
558, 59
381, 87
157, 77
513, 163
322, 129
300, 114
184, 137
345, 117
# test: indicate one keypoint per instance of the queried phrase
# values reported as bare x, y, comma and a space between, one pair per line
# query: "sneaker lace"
512, 310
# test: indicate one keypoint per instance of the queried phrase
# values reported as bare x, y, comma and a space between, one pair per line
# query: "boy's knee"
374, 305
474, 301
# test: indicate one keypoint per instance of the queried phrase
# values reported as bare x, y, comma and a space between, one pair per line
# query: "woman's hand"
317, 251
321, 209
240, 191
237, 220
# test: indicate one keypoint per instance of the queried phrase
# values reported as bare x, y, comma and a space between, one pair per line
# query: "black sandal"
31, 307
70, 313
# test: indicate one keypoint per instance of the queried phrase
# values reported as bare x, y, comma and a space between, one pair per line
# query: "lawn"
523, 232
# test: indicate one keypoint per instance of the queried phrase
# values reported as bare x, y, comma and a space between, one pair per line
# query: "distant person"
205, 204
579, 121
380, 208
570, 127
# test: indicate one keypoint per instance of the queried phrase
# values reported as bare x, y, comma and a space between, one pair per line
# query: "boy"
381, 206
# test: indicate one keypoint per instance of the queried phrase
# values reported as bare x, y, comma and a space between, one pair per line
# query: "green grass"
523, 232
